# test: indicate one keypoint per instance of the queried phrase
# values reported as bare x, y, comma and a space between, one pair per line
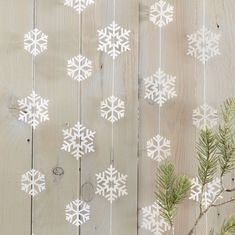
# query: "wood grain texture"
71, 101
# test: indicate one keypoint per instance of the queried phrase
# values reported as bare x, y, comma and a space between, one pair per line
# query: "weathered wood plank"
15, 73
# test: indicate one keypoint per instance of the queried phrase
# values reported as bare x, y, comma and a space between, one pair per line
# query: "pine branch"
228, 227
225, 136
206, 151
171, 190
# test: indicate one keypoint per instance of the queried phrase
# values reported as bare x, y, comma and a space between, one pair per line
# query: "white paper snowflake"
112, 109
35, 42
160, 87
203, 44
114, 40
158, 148
211, 190
111, 184
161, 13
79, 68
152, 220
77, 212
33, 109
78, 140
78, 5
33, 182
205, 117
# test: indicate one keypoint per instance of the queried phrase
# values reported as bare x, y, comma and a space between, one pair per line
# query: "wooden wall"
71, 101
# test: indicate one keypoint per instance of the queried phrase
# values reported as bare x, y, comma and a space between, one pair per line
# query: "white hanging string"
204, 82
160, 65
112, 131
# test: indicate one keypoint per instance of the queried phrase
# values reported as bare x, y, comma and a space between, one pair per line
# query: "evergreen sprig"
225, 136
171, 191
207, 158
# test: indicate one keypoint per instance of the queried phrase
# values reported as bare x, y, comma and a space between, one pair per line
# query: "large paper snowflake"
152, 220
205, 117
211, 191
77, 212
111, 184
114, 40
78, 140
78, 5
161, 13
158, 148
33, 182
35, 42
112, 109
79, 68
203, 44
33, 109
160, 87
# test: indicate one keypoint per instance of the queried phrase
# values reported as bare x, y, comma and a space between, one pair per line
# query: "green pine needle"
171, 190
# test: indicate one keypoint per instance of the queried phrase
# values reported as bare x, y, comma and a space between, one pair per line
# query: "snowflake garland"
158, 148
160, 87
35, 42
114, 40
79, 68
205, 117
211, 191
161, 13
112, 109
78, 5
203, 44
78, 140
77, 212
33, 109
111, 184
152, 220
33, 182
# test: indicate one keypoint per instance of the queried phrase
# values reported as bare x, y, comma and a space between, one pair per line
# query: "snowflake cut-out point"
35, 42
112, 109
114, 40
158, 148
111, 184
78, 5
78, 140
203, 44
160, 87
211, 191
33, 109
77, 212
205, 117
33, 182
151, 220
79, 68
161, 13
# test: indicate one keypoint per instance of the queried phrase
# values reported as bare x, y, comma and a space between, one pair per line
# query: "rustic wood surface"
67, 178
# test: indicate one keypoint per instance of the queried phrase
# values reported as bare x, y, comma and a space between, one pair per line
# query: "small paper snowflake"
160, 87
79, 68
161, 13
152, 220
35, 42
203, 44
211, 191
77, 212
33, 109
112, 109
205, 117
158, 148
78, 5
78, 140
33, 182
114, 40
111, 184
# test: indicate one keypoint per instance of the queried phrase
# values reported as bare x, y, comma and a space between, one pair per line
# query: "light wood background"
70, 102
